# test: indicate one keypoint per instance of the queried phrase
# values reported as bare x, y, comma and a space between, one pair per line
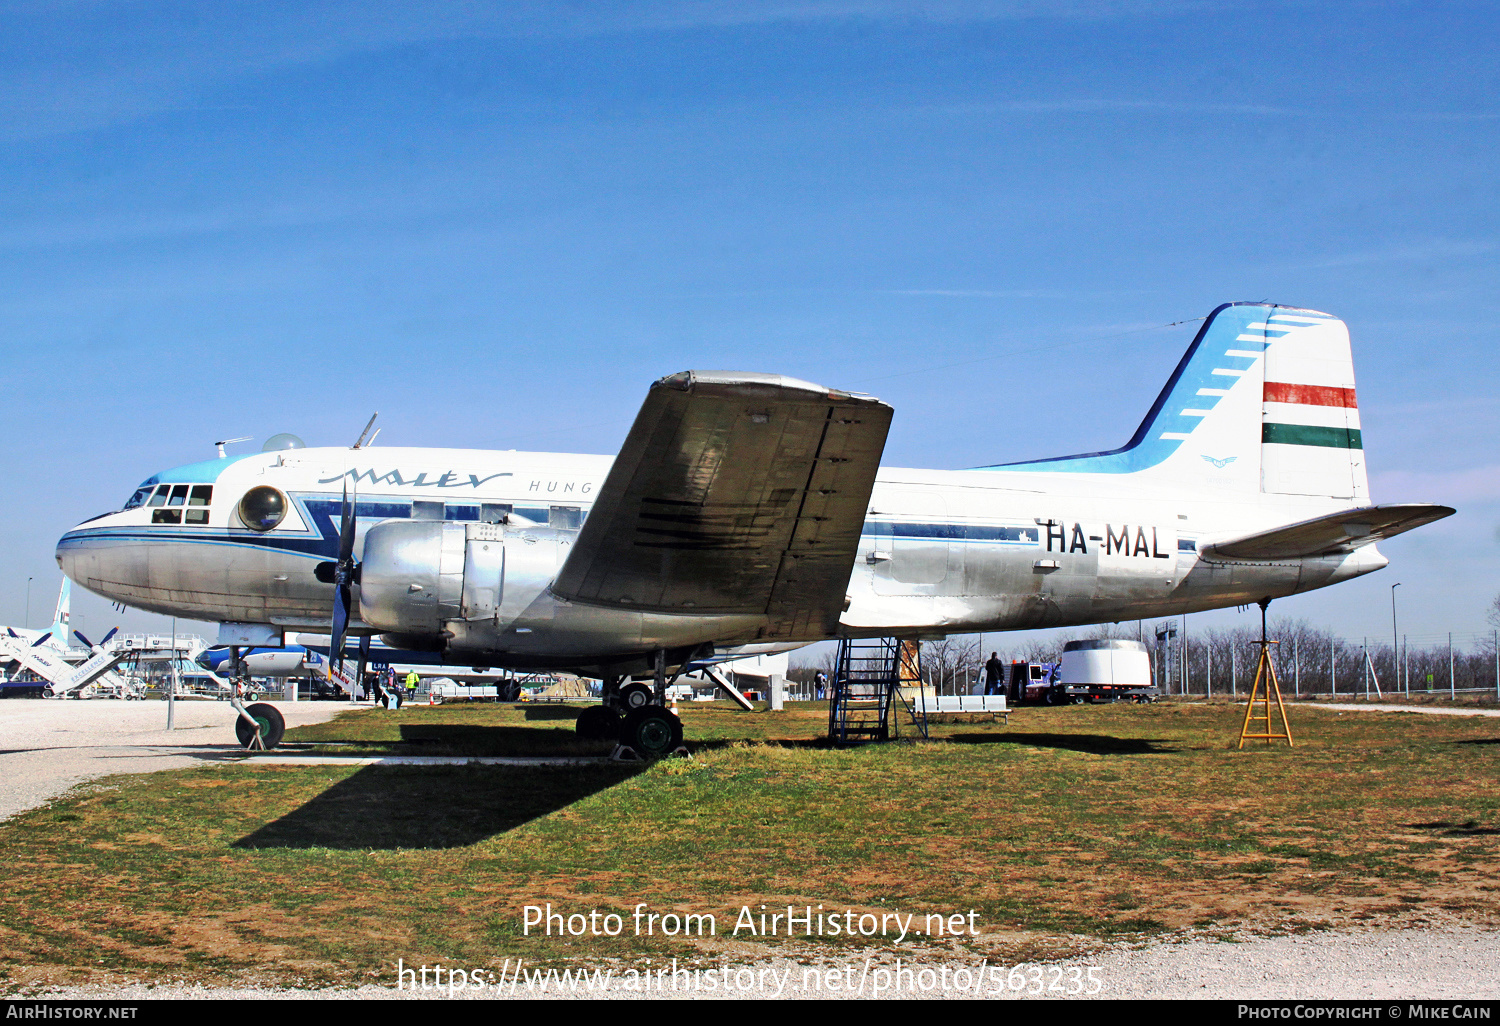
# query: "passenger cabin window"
567, 518
494, 512
424, 510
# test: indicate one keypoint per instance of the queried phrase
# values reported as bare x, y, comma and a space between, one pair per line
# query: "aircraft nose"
66, 558
94, 560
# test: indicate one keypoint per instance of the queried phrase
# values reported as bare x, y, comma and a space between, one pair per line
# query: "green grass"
1069, 824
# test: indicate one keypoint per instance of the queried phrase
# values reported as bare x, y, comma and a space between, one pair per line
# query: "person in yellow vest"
412, 680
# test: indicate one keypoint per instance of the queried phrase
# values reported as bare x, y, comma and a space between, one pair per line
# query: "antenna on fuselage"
362, 440
231, 441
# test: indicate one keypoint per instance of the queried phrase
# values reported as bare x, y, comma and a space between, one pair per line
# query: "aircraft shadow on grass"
478, 739
386, 807
1469, 828
1094, 744
551, 712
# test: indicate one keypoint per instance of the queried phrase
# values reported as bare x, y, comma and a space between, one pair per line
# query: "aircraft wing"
1324, 536
734, 494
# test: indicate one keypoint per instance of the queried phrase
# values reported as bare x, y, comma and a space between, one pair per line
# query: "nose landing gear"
257, 727
268, 727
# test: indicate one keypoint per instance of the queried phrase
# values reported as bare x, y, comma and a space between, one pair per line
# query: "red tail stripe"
1309, 395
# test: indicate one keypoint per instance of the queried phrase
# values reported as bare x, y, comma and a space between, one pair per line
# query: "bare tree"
953, 663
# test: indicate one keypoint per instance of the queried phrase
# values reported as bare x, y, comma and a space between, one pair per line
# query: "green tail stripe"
1303, 434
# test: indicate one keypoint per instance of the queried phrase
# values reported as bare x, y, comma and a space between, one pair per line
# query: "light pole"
27, 624
1395, 638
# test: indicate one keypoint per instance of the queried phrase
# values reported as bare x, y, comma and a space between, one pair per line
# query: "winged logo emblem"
1221, 464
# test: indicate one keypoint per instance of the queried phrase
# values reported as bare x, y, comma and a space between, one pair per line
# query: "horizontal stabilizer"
1330, 535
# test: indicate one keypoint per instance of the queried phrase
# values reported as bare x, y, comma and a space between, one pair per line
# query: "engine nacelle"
418, 576
483, 592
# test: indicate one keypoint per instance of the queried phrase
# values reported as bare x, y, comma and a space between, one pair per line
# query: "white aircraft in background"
59, 636
750, 510
51, 655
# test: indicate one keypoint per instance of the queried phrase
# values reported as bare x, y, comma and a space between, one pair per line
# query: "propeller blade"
340, 625
43, 638
112, 632
86, 642
346, 527
343, 576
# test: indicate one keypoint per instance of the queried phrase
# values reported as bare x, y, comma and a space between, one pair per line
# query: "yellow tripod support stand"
1266, 685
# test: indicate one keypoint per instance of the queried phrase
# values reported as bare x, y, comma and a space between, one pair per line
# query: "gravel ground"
1456, 963
1426, 710
48, 746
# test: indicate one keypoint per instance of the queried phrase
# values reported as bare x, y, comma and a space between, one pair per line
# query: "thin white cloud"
71, 66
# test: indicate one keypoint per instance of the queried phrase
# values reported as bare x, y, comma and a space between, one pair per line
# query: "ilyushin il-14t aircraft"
751, 510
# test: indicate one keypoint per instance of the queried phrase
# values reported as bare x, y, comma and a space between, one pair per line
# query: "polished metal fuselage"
943, 552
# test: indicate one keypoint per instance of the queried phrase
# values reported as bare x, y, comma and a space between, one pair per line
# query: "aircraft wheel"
597, 723
636, 696
270, 721
652, 731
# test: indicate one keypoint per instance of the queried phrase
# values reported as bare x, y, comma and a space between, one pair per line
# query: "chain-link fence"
1221, 661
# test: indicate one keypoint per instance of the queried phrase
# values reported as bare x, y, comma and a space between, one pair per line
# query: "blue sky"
497, 223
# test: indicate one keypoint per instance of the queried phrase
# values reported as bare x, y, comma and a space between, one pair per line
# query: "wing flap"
1325, 536
733, 494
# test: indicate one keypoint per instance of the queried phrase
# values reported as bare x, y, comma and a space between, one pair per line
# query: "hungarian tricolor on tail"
1262, 401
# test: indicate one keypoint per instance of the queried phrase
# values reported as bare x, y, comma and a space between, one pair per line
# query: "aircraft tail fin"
1262, 401
63, 613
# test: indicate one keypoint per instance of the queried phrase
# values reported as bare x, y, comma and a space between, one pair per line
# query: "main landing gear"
636, 717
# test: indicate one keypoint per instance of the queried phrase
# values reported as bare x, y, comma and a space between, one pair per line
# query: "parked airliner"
750, 509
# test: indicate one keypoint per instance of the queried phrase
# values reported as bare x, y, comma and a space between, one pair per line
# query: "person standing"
994, 671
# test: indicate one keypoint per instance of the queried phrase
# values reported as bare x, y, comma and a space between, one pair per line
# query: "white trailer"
1105, 668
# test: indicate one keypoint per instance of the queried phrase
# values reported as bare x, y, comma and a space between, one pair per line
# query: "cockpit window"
198, 501
165, 502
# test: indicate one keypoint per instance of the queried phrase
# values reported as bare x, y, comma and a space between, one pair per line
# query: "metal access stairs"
870, 680
65, 678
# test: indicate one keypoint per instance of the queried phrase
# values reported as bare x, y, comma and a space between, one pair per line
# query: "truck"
1097, 670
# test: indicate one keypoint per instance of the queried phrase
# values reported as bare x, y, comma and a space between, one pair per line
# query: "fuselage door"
912, 543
